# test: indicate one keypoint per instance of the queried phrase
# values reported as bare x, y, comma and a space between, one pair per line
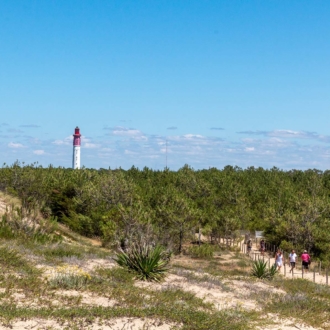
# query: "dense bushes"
167, 207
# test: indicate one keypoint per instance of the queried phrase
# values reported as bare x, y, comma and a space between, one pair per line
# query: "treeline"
292, 207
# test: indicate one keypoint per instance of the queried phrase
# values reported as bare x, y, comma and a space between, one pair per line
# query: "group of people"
262, 246
305, 259
279, 258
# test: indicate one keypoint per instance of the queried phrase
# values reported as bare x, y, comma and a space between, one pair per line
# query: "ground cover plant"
75, 281
31, 294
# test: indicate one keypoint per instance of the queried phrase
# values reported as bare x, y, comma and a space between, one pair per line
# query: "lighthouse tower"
76, 149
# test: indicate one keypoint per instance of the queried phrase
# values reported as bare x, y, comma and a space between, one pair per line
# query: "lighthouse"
76, 149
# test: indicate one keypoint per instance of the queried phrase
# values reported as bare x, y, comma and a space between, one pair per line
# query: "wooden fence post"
326, 276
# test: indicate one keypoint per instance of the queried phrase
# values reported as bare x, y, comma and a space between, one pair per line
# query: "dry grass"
75, 284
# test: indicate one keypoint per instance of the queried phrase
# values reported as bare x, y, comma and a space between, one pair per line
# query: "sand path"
312, 275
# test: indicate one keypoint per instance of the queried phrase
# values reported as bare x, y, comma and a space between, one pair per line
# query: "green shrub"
6, 231
259, 270
201, 251
11, 259
12, 226
149, 263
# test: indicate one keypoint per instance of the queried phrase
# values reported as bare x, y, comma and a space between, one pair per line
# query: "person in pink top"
306, 259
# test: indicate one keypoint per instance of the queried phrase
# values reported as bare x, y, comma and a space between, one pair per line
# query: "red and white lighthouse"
76, 149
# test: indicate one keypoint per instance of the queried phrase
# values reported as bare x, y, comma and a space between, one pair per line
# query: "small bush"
259, 270
69, 277
201, 251
12, 226
11, 259
149, 263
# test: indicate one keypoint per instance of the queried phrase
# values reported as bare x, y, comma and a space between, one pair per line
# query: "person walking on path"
292, 260
279, 260
249, 246
306, 260
262, 247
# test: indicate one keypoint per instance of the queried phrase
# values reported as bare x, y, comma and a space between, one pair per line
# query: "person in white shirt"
292, 259
279, 260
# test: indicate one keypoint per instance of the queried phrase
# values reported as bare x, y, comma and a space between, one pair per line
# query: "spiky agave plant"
272, 272
259, 270
148, 262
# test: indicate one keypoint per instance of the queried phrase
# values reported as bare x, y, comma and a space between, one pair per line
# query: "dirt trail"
2, 207
285, 269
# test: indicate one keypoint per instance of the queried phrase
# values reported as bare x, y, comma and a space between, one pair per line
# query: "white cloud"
65, 141
289, 134
130, 133
193, 136
15, 145
122, 131
129, 152
125, 147
30, 126
39, 152
283, 133
89, 145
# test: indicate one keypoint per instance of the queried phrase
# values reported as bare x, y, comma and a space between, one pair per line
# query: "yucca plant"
272, 272
148, 262
259, 270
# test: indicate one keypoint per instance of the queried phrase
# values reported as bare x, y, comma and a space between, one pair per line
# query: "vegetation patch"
68, 277
147, 262
260, 270
201, 251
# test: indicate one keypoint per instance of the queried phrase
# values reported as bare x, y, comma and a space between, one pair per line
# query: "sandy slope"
222, 293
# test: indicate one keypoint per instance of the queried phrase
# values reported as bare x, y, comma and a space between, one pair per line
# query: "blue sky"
220, 83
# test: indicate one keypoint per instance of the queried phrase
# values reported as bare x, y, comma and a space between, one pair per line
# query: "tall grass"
13, 226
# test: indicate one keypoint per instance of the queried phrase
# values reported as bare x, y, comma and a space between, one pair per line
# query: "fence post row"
272, 248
